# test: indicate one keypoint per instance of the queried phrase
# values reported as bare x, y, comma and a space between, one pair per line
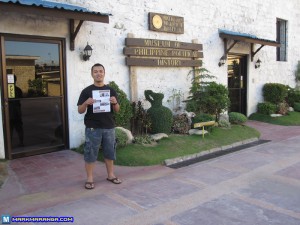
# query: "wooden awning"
55, 10
242, 37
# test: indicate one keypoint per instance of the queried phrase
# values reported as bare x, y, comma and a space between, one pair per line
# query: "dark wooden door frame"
3, 82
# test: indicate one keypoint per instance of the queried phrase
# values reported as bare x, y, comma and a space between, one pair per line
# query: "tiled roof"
245, 35
54, 5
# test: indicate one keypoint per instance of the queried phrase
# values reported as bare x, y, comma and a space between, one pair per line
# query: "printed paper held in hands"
102, 103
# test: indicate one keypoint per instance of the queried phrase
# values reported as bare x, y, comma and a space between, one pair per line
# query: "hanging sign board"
166, 23
162, 53
11, 91
10, 79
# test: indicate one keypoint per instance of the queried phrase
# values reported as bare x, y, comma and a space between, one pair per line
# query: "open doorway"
237, 83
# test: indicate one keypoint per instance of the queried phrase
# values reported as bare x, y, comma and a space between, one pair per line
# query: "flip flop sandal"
89, 185
114, 180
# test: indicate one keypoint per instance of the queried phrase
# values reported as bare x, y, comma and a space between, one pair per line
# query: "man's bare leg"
89, 167
110, 171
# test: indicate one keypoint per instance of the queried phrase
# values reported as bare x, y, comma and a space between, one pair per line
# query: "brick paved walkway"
259, 185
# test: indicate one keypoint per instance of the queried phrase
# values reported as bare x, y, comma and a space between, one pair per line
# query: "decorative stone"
158, 136
197, 132
291, 109
275, 115
128, 133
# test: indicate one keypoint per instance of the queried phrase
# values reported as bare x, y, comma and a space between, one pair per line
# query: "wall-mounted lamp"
87, 52
222, 61
257, 64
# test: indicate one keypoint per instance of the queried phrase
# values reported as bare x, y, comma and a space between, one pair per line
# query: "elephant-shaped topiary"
161, 117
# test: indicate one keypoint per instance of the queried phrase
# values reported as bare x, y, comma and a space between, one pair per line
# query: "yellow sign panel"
11, 91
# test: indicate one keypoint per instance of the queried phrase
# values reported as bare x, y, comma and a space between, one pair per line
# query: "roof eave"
54, 12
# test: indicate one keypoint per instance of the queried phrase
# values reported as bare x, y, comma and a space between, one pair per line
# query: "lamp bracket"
254, 52
73, 32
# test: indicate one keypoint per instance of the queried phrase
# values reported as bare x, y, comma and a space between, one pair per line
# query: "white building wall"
202, 19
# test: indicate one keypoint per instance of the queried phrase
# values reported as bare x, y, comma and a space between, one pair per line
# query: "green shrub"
224, 123
121, 138
275, 92
161, 117
237, 118
297, 106
207, 96
140, 122
202, 117
212, 99
123, 117
143, 139
266, 108
293, 96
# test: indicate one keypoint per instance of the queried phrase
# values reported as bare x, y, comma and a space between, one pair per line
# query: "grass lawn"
292, 119
179, 145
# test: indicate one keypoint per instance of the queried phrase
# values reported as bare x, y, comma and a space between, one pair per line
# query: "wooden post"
132, 78
195, 41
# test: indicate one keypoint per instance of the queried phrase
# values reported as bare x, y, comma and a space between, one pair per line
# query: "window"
281, 26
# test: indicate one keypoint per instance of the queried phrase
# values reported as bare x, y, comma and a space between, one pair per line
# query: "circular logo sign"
157, 21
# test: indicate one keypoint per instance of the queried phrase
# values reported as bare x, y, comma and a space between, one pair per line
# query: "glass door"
34, 96
237, 83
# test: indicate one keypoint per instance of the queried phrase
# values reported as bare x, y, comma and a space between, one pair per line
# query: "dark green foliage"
237, 118
140, 122
297, 106
203, 117
207, 96
161, 117
191, 106
266, 108
213, 99
275, 92
297, 72
143, 140
293, 96
124, 115
121, 138
37, 88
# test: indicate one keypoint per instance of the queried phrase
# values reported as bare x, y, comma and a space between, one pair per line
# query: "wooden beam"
155, 43
73, 33
252, 51
162, 62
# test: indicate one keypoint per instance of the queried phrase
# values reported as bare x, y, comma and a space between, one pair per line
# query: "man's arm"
82, 108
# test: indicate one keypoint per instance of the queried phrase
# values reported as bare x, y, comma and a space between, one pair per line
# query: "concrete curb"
180, 159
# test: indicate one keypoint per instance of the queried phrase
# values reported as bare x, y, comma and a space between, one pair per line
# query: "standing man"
100, 125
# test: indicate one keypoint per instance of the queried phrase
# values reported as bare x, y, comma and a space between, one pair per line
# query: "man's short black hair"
97, 64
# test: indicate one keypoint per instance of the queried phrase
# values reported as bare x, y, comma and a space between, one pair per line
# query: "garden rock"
275, 115
197, 132
291, 109
157, 137
128, 133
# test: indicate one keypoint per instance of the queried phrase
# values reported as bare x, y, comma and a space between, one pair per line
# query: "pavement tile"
86, 210
246, 159
292, 171
277, 193
151, 193
278, 151
228, 210
206, 173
